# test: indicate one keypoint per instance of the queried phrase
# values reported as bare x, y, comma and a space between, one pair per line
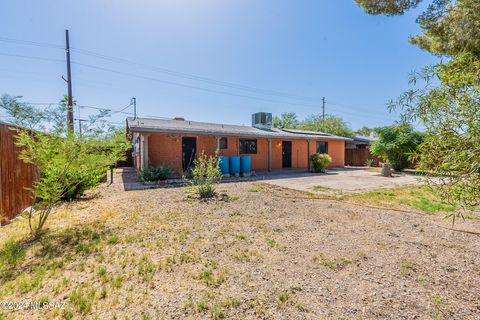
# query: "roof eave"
233, 134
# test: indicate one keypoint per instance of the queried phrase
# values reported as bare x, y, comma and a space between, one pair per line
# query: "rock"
386, 170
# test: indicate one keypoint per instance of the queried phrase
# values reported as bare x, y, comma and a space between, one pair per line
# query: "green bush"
369, 163
67, 162
204, 175
396, 144
154, 173
320, 161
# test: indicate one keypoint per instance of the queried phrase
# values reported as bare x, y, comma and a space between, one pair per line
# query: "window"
322, 147
223, 143
248, 146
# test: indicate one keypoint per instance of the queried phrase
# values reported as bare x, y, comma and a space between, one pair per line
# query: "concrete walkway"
351, 179
341, 180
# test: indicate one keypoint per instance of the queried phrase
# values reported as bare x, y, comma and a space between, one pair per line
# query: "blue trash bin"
235, 166
224, 165
246, 165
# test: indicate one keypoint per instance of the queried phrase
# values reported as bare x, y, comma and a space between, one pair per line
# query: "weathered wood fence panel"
359, 157
15, 176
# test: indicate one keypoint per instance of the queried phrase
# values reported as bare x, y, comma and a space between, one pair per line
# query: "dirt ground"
263, 252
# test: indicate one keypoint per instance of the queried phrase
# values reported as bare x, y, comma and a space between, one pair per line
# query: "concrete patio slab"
350, 180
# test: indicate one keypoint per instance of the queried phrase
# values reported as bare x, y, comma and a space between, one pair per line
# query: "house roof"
194, 127
364, 139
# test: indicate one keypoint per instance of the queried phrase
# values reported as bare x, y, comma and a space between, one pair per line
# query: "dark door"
286, 154
189, 145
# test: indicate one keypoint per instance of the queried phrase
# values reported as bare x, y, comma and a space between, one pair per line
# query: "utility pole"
70, 124
323, 108
134, 101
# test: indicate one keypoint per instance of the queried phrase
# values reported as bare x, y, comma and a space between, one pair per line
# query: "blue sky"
294, 51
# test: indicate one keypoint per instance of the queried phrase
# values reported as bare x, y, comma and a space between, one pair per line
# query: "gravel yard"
263, 252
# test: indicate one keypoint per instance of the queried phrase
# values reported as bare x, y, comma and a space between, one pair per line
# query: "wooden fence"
359, 157
15, 176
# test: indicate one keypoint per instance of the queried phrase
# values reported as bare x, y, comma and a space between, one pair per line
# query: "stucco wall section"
336, 149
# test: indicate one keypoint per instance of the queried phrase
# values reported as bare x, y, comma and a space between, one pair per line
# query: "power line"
128, 106
191, 86
31, 57
112, 110
196, 77
31, 43
163, 81
166, 71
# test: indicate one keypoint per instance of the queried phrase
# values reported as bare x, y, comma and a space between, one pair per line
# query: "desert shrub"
369, 163
155, 173
320, 161
11, 254
204, 175
67, 162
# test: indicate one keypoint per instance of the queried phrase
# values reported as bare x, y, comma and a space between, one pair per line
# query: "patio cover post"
308, 154
269, 154
144, 151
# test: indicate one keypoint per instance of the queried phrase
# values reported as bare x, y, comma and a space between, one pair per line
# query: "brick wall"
166, 149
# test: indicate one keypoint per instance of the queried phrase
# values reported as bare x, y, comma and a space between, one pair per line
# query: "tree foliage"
387, 7
20, 113
450, 112
286, 120
67, 163
366, 131
315, 122
449, 26
396, 144
331, 124
446, 98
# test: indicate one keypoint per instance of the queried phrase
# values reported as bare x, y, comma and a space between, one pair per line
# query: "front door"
189, 145
286, 154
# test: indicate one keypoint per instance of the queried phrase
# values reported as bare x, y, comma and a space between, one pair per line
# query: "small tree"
396, 144
204, 175
68, 164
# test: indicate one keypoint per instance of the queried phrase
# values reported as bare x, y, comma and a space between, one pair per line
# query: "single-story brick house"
176, 142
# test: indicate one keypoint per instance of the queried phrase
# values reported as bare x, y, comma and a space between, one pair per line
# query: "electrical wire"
165, 70
31, 43
191, 86
31, 57
195, 77
175, 73
162, 81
